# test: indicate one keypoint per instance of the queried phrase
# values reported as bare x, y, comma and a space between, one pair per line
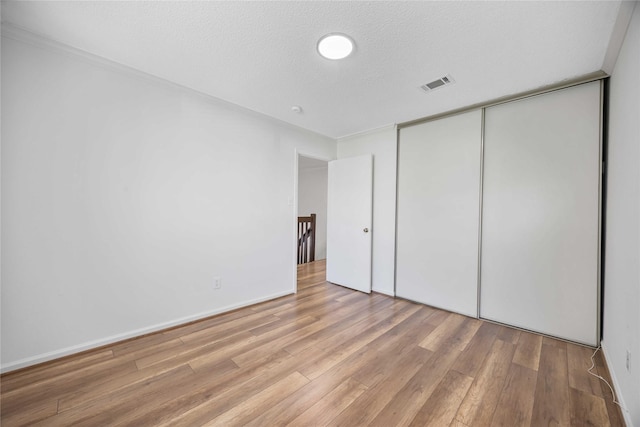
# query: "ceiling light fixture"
335, 46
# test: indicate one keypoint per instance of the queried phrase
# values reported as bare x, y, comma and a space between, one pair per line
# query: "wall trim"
625, 12
616, 385
366, 132
23, 35
113, 339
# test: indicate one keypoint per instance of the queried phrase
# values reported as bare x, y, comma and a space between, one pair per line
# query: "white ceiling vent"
437, 84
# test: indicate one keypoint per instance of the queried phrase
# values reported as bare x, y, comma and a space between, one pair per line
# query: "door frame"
294, 228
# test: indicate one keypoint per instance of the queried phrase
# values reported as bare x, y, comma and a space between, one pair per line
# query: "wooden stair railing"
306, 238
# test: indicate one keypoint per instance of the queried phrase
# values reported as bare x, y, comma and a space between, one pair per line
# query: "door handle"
366, 230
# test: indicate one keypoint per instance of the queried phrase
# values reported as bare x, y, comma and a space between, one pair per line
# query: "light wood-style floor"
326, 356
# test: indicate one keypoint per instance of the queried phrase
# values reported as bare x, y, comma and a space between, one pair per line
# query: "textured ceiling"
261, 55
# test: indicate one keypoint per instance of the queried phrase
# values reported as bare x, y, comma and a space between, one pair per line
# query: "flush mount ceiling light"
335, 46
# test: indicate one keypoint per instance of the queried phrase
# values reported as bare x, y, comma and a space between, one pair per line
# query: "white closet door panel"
540, 231
438, 212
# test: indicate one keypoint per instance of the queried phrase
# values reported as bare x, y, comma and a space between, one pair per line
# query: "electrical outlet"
629, 360
217, 283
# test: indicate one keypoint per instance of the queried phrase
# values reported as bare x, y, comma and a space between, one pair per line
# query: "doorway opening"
312, 202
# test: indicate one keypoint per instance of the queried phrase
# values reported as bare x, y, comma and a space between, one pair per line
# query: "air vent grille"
436, 84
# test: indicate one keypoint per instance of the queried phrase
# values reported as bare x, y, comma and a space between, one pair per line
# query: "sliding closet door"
540, 229
438, 212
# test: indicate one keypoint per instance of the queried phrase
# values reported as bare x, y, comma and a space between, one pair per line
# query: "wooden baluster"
312, 249
299, 243
304, 242
306, 239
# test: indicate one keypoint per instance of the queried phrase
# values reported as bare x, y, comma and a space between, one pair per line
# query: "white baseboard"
616, 386
56, 354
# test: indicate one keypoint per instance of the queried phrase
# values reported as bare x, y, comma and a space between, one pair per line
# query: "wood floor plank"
317, 305
588, 410
579, 362
551, 401
413, 329
217, 320
554, 343
111, 405
407, 402
326, 355
227, 329
438, 317
507, 334
268, 327
135, 412
443, 332
472, 357
366, 408
146, 411
343, 348
340, 320
465, 333
384, 352
441, 407
515, 406
209, 402
250, 408
91, 392
170, 345
480, 402
224, 388
352, 297
56, 368
284, 302
30, 413
187, 354
68, 382
327, 408
303, 399
245, 351
614, 411
158, 340
528, 350
80, 389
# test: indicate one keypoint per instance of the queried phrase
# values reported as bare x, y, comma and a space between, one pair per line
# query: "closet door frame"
597, 76
538, 323
440, 165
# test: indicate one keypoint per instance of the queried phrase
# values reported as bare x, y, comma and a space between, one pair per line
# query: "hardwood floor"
325, 356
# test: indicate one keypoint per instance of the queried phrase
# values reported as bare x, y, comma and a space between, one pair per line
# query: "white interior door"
349, 214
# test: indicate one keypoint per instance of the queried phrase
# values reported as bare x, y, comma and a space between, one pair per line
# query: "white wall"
382, 143
124, 195
312, 198
622, 262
